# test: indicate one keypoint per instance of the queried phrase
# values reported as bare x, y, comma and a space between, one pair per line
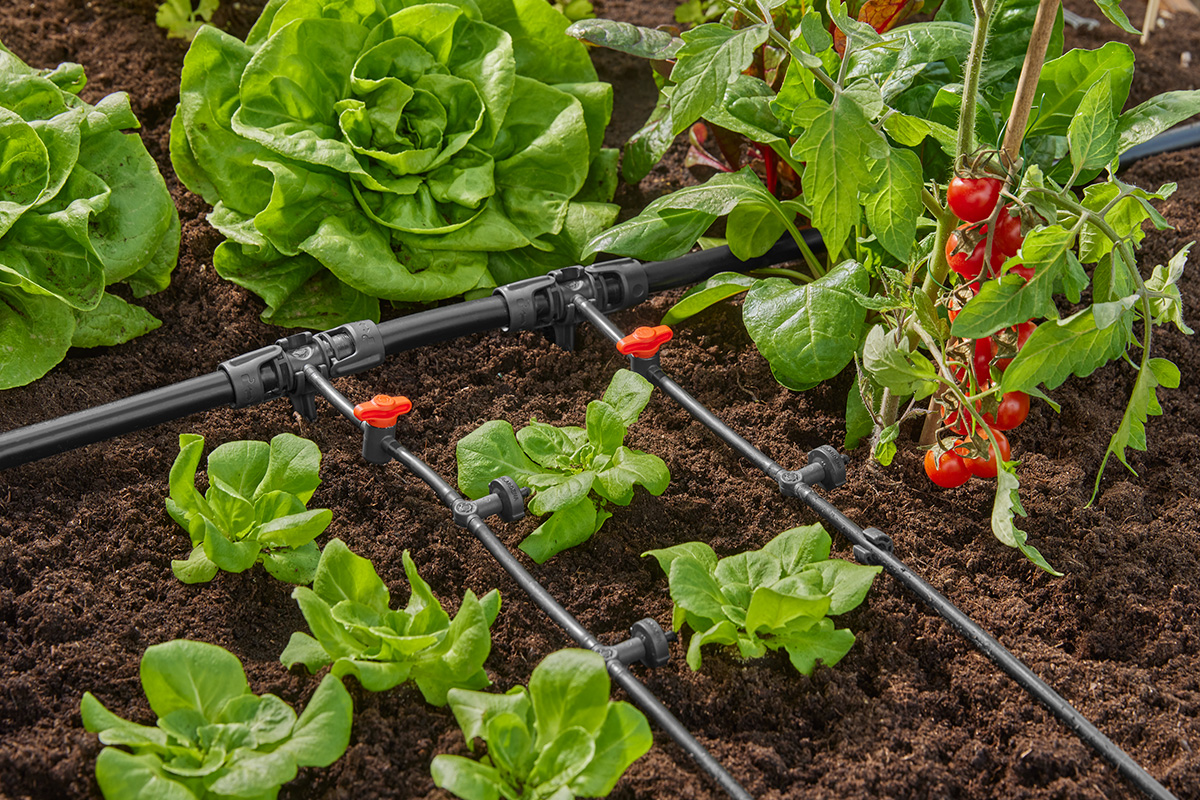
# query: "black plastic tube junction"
469, 516
868, 550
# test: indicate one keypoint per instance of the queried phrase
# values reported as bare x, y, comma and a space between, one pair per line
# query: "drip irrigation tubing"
221, 388
826, 467
470, 515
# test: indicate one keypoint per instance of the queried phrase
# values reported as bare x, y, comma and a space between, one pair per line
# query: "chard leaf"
708, 293
649, 144
808, 333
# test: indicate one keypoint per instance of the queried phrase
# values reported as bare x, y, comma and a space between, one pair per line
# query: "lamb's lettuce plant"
214, 737
559, 739
254, 510
82, 207
574, 471
778, 597
356, 150
348, 610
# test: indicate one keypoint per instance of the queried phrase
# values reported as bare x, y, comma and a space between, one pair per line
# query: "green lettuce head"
363, 149
82, 207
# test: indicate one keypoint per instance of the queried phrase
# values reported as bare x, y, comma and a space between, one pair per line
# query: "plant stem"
777, 272
974, 66
1031, 71
889, 404
783, 42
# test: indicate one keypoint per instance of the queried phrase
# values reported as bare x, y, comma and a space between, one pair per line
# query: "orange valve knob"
645, 342
382, 410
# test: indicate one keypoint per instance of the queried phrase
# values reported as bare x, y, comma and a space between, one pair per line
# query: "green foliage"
348, 610
214, 737
574, 471
779, 597
437, 149
254, 510
559, 739
83, 208
181, 21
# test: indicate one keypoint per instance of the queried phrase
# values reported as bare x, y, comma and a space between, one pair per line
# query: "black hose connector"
833, 466
648, 644
882, 543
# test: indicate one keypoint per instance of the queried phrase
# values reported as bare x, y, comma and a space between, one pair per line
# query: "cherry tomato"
984, 351
981, 468
967, 265
1022, 270
1013, 409
973, 199
960, 424
1008, 238
948, 471
1024, 330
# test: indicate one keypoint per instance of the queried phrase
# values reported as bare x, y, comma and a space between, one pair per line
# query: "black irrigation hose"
475, 523
1168, 142
204, 393
798, 485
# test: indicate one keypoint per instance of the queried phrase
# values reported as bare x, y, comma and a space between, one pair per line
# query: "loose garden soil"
912, 712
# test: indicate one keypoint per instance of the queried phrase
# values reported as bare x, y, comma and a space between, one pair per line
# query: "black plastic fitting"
546, 302
375, 441
864, 555
833, 466
648, 644
506, 499
277, 370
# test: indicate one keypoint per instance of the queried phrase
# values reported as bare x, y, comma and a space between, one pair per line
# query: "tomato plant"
986, 467
947, 470
950, 216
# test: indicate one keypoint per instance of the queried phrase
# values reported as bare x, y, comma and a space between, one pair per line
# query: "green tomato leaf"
711, 58
1065, 81
894, 366
1059, 348
894, 205
1146, 120
1092, 132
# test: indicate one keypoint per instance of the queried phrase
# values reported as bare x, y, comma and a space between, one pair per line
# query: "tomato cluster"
974, 200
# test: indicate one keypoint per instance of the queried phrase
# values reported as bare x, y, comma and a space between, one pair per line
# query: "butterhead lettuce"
363, 149
82, 207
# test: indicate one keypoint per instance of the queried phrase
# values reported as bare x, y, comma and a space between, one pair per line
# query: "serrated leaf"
1092, 132
1007, 504
893, 206
894, 366
1059, 348
1143, 403
711, 58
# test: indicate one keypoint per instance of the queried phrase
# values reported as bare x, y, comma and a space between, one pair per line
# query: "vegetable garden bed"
912, 711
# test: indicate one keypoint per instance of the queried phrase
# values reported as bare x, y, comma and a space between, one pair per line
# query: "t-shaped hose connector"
649, 644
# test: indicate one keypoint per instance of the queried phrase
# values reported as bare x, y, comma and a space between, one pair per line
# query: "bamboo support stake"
1031, 70
1151, 18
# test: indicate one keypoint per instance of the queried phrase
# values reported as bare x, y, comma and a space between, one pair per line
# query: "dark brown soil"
912, 712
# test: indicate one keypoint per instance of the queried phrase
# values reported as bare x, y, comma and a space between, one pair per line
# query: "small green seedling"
562, 738
574, 471
347, 609
214, 737
181, 21
254, 510
776, 597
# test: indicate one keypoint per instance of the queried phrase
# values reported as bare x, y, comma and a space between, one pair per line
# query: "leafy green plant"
769, 599
575, 9
575, 472
348, 609
181, 21
559, 739
214, 737
889, 135
254, 510
437, 149
83, 208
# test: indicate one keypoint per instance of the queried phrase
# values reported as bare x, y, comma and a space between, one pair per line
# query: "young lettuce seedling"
776, 597
254, 510
574, 471
214, 737
348, 610
562, 738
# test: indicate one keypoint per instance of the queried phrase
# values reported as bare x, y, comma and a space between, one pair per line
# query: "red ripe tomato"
948, 471
973, 199
960, 423
1024, 330
1022, 270
981, 468
984, 351
1013, 409
967, 265
1008, 238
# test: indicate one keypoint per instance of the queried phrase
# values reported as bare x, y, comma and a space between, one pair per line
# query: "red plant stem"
771, 164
